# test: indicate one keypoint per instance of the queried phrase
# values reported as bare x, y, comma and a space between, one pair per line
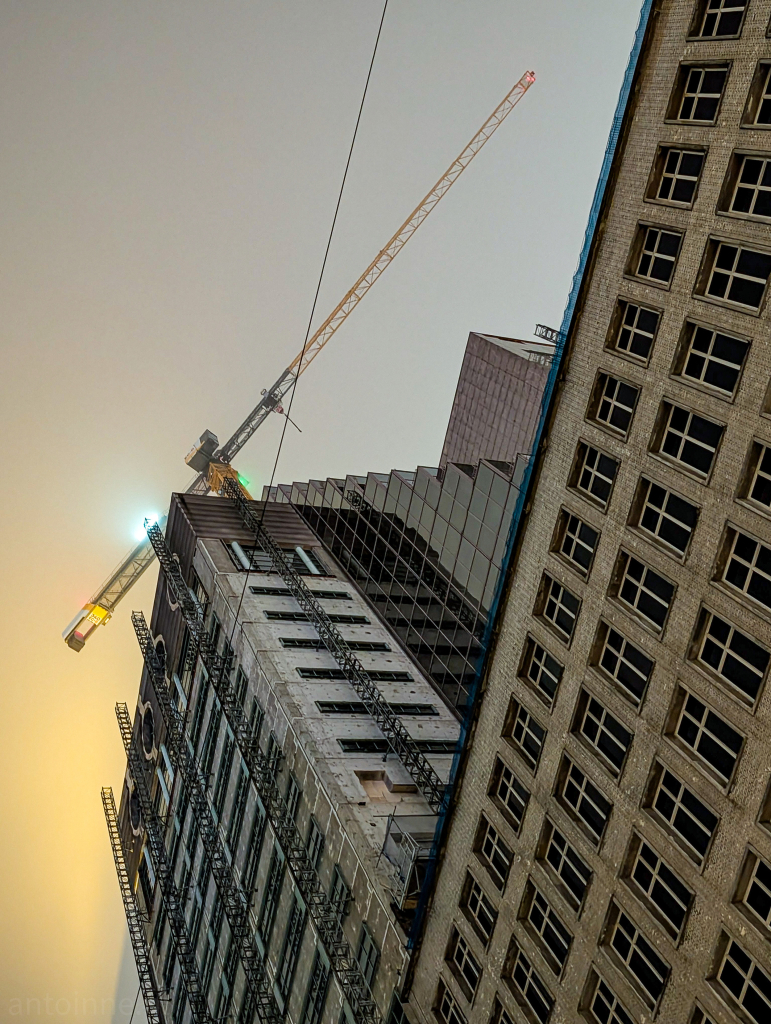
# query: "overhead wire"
318, 290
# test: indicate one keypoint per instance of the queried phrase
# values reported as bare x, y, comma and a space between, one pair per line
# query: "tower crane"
211, 461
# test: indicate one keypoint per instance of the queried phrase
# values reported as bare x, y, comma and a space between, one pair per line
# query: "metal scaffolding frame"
134, 916
324, 914
164, 873
234, 901
397, 736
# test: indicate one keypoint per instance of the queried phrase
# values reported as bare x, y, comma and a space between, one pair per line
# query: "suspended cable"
318, 288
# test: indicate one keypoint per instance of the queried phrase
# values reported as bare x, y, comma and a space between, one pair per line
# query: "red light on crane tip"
530, 76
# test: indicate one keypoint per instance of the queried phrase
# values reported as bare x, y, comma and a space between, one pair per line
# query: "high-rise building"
609, 852
286, 760
498, 399
426, 546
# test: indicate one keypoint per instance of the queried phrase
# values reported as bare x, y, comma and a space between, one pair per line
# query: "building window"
377, 746
291, 950
499, 1015
734, 274
623, 663
682, 814
524, 733
700, 1017
340, 620
654, 254
358, 707
687, 439
377, 676
463, 965
602, 733
756, 486
477, 908
593, 474
570, 872
493, 853
744, 981
541, 670
718, 18
708, 738
293, 794
747, 567
582, 800
758, 110
633, 330
367, 955
339, 893
711, 359
575, 541
508, 794
753, 894
545, 927
603, 1005
271, 895
306, 643
664, 516
558, 606
676, 174
733, 657
317, 991
526, 986
648, 971
698, 92
315, 843
657, 886
446, 1009
643, 590
613, 403
748, 190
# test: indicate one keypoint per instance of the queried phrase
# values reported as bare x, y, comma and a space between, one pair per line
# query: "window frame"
601, 644
473, 887
566, 854
750, 473
747, 875
529, 653
589, 792
677, 95
641, 502
617, 324
580, 714
551, 919
637, 250
515, 957
700, 637
483, 829
499, 769
690, 327
655, 781
760, 87
725, 945
582, 452
667, 407
561, 526
617, 1011
454, 1014
627, 875
545, 597
700, 14
706, 270
658, 169
613, 923
598, 395
621, 570
731, 182
455, 942
677, 711
514, 710
732, 534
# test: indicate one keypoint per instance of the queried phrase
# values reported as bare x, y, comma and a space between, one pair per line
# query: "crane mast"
210, 460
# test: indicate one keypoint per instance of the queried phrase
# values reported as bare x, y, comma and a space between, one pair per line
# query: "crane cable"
316, 295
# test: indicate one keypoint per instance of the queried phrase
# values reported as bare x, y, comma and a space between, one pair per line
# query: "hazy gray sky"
167, 179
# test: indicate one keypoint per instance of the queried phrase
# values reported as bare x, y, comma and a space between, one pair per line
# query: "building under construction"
290, 746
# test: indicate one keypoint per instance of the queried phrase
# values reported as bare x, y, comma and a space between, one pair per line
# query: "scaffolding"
134, 916
323, 913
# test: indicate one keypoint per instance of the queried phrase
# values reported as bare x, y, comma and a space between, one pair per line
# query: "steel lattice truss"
234, 902
173, 900
134, 917
399, 740
324, 914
